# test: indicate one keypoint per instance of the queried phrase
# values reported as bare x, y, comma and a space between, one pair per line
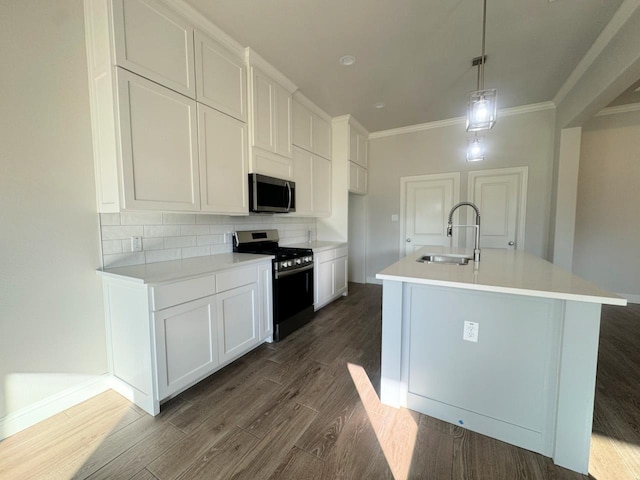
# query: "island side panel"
577, 383
390, 382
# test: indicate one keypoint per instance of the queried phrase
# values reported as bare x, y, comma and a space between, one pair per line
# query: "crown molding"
253, 59
357, 124
206, 26
631, 107
505, 112
350, 120
612, 28
302, 99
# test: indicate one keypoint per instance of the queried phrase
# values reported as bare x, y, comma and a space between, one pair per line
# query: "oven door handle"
293, 272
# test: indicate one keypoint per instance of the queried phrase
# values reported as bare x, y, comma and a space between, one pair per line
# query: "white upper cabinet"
358, 146
357, 179
155, 42
310, 130
270, 119
221, 78
158, 141
224, 163
271, 109
312, 175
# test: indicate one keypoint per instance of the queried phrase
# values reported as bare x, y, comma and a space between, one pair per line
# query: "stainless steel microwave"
271, 195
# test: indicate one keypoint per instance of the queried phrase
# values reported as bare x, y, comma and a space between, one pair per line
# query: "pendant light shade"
475, 149
482, 109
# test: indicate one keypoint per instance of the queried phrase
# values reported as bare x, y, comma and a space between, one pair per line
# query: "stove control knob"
298, 261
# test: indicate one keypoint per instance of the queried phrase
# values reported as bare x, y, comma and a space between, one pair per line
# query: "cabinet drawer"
236, 278
342, 251
324, 256
164, 296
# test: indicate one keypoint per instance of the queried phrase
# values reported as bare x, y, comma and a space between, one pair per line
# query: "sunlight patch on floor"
395, 429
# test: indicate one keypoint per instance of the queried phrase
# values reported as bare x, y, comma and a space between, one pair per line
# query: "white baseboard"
39, 411
374, 280
631, 297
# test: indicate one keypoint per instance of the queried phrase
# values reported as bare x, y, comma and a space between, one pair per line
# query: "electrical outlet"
470, 333
136, 244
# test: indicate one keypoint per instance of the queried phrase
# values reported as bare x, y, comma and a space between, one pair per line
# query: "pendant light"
475, 149
482, 108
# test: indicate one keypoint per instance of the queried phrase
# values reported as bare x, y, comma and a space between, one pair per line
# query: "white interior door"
501, 196
425, 204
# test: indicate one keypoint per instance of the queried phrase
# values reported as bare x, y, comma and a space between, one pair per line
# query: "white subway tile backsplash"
123, 259
152, 243
195, 229
162, 255
110, 247
200, 251
171, 236
179, 218
121, 232
162, 230
178, 242
141, 218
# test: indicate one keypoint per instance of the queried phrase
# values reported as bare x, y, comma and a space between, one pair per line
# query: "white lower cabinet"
186, 344
331, 275
162, 339
238, 321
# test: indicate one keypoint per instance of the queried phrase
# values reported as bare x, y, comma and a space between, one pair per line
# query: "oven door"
292, 293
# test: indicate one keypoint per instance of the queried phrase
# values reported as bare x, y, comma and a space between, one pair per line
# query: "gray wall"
517, 140
607, 221
51, 321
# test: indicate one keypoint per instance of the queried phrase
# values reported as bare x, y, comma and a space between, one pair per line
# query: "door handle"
408, 240
512, 243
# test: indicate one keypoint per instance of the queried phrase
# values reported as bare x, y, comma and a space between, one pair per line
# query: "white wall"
524, 139
51, 321
607, 233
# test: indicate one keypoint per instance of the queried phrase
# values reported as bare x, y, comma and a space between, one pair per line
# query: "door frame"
455, 176
523, 174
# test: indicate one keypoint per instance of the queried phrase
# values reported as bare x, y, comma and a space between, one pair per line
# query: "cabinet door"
353, 144
283, 122
265, 287
325, 282
362, 150
238, 321
321, 137
353, 177
302, 126
224, 164
158, 141
221, 78
363, 179
321, 186
340, 275
186, 344
303, 176
263, 110
155, 42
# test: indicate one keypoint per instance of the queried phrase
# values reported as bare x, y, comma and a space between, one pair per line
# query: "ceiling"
414, 55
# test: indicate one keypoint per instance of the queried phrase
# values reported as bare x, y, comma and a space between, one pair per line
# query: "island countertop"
502, 271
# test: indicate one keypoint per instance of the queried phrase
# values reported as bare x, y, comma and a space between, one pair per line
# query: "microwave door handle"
289, 194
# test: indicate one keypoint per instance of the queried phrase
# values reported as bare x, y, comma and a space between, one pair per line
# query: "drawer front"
342, 251
164, 296
324, 256
236, 278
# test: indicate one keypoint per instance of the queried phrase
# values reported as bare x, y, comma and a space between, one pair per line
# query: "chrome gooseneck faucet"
476, 247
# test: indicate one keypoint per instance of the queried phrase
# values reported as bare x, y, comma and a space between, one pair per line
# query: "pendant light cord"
482, 58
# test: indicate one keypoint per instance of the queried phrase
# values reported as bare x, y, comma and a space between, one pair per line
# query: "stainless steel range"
292, 278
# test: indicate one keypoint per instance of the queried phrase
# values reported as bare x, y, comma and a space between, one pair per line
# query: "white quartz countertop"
163, 272
318, 246
501, 271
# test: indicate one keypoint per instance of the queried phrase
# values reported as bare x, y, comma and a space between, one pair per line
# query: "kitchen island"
506, 347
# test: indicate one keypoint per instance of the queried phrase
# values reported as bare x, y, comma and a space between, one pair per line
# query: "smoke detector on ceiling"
347, 60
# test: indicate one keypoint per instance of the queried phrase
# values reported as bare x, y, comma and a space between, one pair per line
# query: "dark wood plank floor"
308, 408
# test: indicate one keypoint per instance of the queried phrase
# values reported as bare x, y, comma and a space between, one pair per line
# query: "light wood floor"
307, 408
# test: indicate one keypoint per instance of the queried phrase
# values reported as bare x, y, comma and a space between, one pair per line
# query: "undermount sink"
448, 259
